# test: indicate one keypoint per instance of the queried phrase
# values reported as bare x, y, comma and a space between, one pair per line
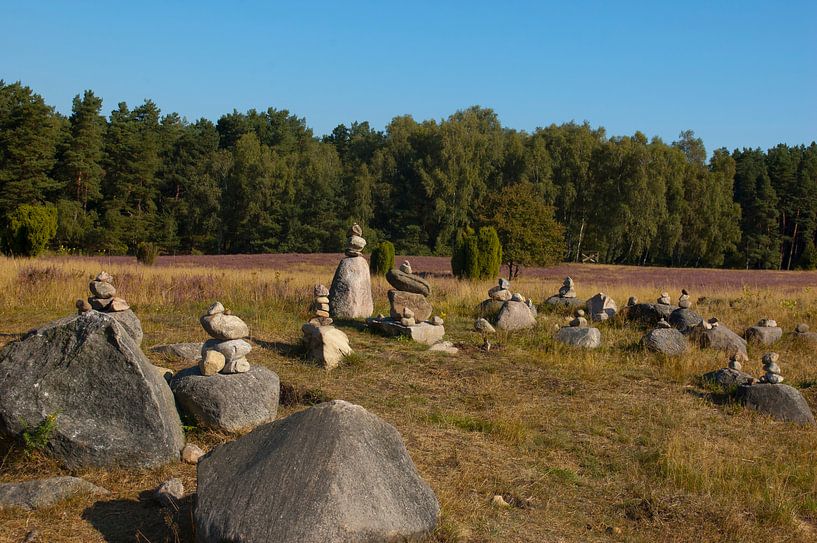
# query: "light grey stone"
599, 305
515, 316
668, 341
350, 296
417, 303
589, 338
333, 472
38, 493
326, 345
169, 493
763, 335
728, 377
131, 323
187, 351
408, 282
112, 407
231, 349
421, 332
101, 289
444, 347
223, 326
718, 337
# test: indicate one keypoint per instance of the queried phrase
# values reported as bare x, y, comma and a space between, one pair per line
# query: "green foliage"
36, 439
490, 252
476, 255
529, 234
146, 253
382, 259
808, 260
30, 228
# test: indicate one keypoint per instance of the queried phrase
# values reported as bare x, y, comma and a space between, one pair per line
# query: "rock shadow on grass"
142, 520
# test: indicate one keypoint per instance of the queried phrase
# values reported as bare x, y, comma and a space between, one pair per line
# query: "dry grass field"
611, 445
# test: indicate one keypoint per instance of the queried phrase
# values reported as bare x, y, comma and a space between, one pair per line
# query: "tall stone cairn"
227, 351
350, 296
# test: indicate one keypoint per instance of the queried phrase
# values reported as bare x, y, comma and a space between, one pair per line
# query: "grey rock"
212, 363
589, 338
325, 345
191, 454
764, 335
515, 316
684, 319
39, 493
801, 328
599, 305
719, 337
417, 303
421, 332
504, 283
483, 326
169, 493
333, 472
557, 302
728, 377
781, 402
112, 407
649, 314
236, 365
131, 323
187, 351
490, 309
500, 294
223, 326
227, 402
101, 289
444, 347
408, 282
232, 349
668, 341
350, 296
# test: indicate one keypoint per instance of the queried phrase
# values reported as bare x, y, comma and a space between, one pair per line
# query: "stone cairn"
350, 296
801, 332
684, 301
578, 333
507, 310
664, 299
579, 319
567, 289
566, 297
227, 351
501, 292
325, 344
103, 296
772, 370
766, 332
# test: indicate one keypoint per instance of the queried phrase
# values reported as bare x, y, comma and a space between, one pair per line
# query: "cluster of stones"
771, 369
648, 314
507, 310
103, 298
801, 332
666, 339
350, 296
566, 296
765, 332
711, 334
410, 311
730, 376
684, 318
601, 307
227, 351
324, 343
578, 333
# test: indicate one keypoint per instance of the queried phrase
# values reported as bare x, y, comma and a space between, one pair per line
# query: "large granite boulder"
557, 302
684, 319
130, 322
728, 378
408, 282
601, 307
187, 351
489, 309
230, 402
718, 337
763, 335
781, 402
350, 296
399, 300
325, 345
649, 314
668, 341
112, 407
333, 472
515, 316
38, 493
579, 336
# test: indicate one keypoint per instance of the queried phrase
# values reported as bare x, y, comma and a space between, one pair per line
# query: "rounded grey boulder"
333, 472
764, 335
684, 319
231, 402
515, 316
781, 402
112, 407
728, 377
580, 336
408, 282
350, 296
668, 341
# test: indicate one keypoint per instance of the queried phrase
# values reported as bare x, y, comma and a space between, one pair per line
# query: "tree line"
262, 181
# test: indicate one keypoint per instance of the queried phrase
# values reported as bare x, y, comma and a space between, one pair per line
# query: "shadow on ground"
142, 520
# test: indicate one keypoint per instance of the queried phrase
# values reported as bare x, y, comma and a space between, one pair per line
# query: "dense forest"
261, 181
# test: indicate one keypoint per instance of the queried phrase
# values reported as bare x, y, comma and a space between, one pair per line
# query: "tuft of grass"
36, 439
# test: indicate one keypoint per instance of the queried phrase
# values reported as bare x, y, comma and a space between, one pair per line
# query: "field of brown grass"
611, 445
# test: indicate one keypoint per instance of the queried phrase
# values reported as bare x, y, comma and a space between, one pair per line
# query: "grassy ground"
611, 445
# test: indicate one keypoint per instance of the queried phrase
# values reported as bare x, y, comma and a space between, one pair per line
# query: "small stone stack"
801, 332
684, 301
764, 332
579, 334
227, 351
350, 296
730, 376
501, 292
579, 319
711, 334
566, 298
772, 375
664, 299
567, 289
103, 298
325, 344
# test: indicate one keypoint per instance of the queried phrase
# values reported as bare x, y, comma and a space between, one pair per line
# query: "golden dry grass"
616, 444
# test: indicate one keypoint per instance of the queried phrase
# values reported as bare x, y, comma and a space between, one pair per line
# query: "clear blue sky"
737, 73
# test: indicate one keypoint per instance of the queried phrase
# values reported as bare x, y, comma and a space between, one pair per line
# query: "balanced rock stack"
730, 376
227, 351
103, 298
648, 314
325, 344
566, 296
350, 296
665, 339
771, 397
713, 335
579, 334
764, 332
664, 299
684, 318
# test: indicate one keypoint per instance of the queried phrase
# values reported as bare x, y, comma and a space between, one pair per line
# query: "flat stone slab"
187, 351
39, 493
728, 378
423, 332
579, 336
330, 473
668, 341
231, 402
781, 402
